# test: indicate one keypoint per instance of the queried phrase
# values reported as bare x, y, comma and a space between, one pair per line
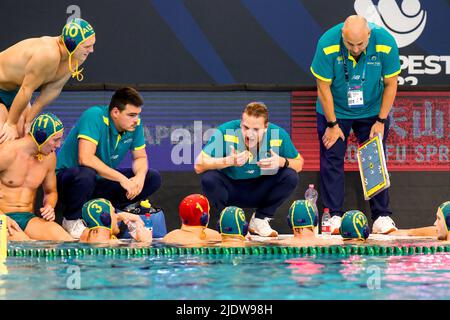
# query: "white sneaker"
335, 223
261, 227
74, 227
384, 225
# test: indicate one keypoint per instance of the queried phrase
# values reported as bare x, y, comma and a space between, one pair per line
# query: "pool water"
236, 277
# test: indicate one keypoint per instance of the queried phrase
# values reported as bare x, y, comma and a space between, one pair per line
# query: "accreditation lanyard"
355, 93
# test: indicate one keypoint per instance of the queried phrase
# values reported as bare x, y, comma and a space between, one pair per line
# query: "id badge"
355, 96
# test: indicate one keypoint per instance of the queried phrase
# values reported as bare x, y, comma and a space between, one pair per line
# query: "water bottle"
147, 208
326, 225
148, 224
132, 229
311, 195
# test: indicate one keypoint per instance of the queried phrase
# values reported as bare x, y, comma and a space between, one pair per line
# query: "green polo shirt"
95, 125
230, 134
381, 60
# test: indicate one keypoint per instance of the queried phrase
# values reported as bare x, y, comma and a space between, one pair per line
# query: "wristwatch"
331, 124
286, 163
380, 120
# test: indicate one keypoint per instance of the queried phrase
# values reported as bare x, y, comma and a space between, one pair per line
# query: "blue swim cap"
301, 215
232, 222
354, 225
44, 127
97, 214
445, 210
75, 33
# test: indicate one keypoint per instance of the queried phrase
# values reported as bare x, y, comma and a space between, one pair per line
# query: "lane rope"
260, 250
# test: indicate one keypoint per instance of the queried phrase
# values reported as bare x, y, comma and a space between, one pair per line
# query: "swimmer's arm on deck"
41, 66
417, 232
49, 92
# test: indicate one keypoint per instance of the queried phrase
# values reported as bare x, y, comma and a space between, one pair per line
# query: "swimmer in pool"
438, 230
354, 227
45, 62
101, 223
302, 220
233, 227
25, 165
194, 215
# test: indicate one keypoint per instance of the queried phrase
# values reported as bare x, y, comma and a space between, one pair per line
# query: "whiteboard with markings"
372, 167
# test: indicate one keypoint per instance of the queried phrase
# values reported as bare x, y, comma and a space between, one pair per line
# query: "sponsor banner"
176, 42
177, 124
419, 138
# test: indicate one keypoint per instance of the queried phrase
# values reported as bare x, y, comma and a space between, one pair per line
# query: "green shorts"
22, 218
7, 97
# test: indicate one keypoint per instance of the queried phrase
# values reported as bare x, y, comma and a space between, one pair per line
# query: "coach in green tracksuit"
356, 65
250, 163
88, 162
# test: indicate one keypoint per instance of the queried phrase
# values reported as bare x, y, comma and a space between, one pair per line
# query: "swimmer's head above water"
99, 214
354, 226
194, 211
301, 215
443, 220
232, 223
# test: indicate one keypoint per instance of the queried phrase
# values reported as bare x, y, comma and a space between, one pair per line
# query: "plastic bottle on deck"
311, 195
132, 229
326, 225
148, 224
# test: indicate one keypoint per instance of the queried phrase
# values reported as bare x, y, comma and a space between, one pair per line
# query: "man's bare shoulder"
46, 49
172, 236
8, 150
43, 46
212, 234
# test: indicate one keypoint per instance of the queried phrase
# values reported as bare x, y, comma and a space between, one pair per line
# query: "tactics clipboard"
372, 167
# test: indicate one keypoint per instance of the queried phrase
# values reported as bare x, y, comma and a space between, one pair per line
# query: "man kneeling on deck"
25, 165
101, 221
250, 163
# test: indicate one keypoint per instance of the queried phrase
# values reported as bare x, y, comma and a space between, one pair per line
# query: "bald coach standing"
356, 65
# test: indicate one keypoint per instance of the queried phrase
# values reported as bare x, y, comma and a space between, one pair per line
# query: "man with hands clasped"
87, 166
